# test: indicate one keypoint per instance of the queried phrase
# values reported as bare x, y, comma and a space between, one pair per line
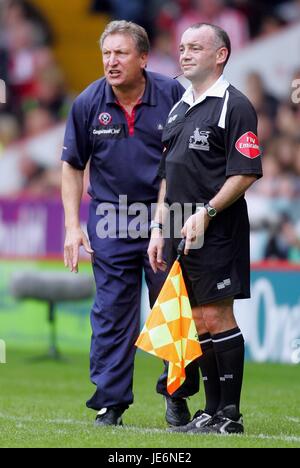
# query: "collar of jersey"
149, 96
218, 89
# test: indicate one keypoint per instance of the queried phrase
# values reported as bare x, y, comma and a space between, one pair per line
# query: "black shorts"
221, 268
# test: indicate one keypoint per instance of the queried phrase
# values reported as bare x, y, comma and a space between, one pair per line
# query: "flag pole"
180, 249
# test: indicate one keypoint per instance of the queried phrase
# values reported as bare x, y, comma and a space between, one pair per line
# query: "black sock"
230, 353
210, 374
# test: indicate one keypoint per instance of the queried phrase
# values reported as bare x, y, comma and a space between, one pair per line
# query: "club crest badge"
105, 118
199, 140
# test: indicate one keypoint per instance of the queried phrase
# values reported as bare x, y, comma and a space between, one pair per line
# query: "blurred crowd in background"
38, 99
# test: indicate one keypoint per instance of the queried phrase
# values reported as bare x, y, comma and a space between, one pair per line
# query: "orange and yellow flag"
170, 332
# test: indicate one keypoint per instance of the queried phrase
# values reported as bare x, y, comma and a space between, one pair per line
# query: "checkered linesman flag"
170, 332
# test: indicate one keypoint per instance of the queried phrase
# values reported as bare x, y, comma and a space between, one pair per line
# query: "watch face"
211, 211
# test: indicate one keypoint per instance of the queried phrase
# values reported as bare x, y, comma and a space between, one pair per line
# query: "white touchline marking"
294, 420
142, 430
283, 437
48, 421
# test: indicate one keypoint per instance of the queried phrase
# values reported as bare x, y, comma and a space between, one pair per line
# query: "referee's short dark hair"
221, 35
137, 32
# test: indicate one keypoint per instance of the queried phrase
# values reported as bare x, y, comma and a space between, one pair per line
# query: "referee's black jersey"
208, 141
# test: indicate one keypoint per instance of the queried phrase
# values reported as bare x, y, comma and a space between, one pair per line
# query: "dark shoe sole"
103, 424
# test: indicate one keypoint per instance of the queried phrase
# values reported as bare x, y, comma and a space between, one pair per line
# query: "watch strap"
155, 225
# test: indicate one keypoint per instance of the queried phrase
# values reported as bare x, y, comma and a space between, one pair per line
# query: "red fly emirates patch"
248, 145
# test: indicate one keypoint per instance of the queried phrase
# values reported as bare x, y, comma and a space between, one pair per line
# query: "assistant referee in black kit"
212, 157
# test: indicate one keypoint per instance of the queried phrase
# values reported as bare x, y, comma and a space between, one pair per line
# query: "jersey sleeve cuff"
249, 172
73, 163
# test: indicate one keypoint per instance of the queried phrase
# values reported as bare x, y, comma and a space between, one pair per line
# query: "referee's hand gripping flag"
170, 332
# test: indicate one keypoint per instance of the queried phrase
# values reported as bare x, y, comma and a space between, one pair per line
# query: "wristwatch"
211, 211
154, 225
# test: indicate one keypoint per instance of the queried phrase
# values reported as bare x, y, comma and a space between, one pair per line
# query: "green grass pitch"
42, 404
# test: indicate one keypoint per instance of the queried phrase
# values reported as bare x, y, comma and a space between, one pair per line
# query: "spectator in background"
51, 93
277, 247
253, 10
286, 195
265, 104
129, 10
161, 59
215, 12
284, 243
170, 12
37, 98
32, 175
20, 42
279, 163
262, 100
284, 152
15, 12
37, 121
25, 59
265, 128
39, 180
32, 75
270, 24
289, 11
24, 38
288, 120
268, 186
9, 131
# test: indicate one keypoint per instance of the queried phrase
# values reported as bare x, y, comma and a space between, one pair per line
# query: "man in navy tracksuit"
117, 124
